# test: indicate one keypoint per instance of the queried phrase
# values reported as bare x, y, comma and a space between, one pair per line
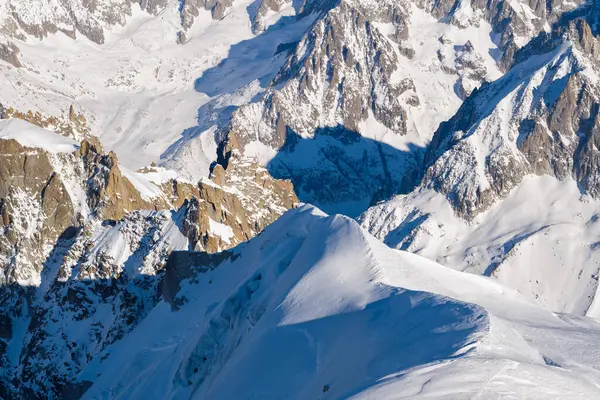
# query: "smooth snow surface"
316, 308
30, 135
541, 240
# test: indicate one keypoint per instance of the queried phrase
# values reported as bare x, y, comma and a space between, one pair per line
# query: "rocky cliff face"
338, 83
89, 19
341, 98
83, 243
235, 205
9, 52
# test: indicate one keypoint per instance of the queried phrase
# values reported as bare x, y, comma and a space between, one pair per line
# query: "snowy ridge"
483, 152
84, 243
352, 318
103, 296
540, 240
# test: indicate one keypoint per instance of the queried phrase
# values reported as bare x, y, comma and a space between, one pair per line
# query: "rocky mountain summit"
310, 78
540, 118
349, 83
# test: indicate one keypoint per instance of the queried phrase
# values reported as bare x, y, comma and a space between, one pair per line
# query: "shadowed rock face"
340, 71
183, 265
35, 208
339, 77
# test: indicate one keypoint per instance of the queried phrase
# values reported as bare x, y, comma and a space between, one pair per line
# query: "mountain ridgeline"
174, 265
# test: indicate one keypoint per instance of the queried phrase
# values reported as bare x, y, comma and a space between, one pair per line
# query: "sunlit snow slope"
316, 308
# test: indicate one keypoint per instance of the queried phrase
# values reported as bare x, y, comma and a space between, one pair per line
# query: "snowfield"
29, 135
541, 240
315, 307
141, 92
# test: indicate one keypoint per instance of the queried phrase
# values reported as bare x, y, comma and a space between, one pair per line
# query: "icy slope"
316, 308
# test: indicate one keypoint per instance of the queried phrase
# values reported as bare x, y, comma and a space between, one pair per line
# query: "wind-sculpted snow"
83, 247
142, 272
315, 307
540, 240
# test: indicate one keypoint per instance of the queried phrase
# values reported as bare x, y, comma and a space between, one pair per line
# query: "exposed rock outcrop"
79, 239
339, 80
36, 209
110, 194
10, 53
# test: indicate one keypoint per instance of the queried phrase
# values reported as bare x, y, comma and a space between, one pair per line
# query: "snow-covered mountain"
317, 308
285, 82
465, 132
511, 182
72, 217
